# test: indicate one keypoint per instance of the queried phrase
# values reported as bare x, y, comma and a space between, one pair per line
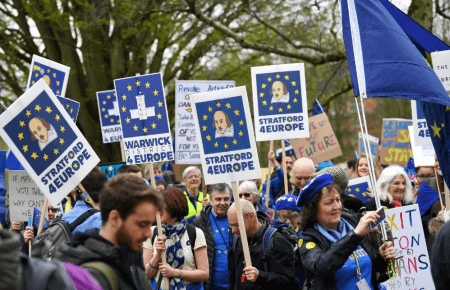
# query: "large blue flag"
383, 60
426, 197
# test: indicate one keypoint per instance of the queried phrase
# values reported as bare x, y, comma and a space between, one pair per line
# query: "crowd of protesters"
314, 236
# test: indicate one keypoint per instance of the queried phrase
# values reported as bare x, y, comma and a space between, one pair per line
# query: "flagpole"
41, 220
438, 187
283, 148
269, 174
30, 224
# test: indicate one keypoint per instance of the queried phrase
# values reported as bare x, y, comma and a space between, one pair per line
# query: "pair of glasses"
236, 225
285, 218
246, 194
424, 176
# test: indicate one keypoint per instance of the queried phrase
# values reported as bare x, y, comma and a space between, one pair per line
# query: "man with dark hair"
351, 167
131, 169
213, 221
113, 254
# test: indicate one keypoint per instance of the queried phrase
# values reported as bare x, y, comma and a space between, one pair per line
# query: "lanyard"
220, 232
358, 270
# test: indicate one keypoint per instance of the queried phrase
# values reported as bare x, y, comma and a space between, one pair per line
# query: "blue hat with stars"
313, 187
287, 202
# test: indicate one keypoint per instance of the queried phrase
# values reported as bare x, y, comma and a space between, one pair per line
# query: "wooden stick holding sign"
447, 197
439, 188
122, 151
240, 217
43, 211
283, 149
269, 174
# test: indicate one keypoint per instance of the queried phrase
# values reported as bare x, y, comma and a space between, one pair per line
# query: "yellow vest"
192, 210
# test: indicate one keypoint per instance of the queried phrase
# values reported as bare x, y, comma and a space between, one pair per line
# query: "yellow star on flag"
294, 83
264, 103
295, 100
286, 77
57, 92
48, 71
124, 97
159, 116
261, 95
103, 109
147, 85
241, 122
71, 111
56, 151
104, 102
135, 128
45, 157
225, 146
34, 155
160, 104
37, 108
240, 133
289, 106
216, 144
33, 82
124, 109
128, 120
36, 75
22, 123
20, 136
61, 141
269, 79
228, 105
271, 108
67, 106
25, 148
118, 121
209, 109
280, 110
28, 113
155, 93
145, 130
205, 117
296, 92
236, 112
153, 126
129, 87
111, 120
263, 86
218, 104
234, 142
349, 190
57, 83
108, 97
208, 138
57, 117
447, 108
62, 129
106, 115
204, 128
277, 76
436, 130
54, 75
357, 189
138, 83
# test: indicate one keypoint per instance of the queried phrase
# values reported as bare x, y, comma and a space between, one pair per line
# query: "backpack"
191, 231
47, 242
106, 270
275, 226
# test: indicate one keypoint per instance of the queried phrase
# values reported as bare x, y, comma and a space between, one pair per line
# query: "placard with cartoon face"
143, 116
227, 146
108, 111
54, 74
279, 102
47, 142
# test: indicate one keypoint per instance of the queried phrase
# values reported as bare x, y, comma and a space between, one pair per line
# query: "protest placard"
358, 187
108, 111
441, 66
321, 145
47, 142
421, 131
373, 143
279, 102
110, 169
186, 150
412, 259
395, 142
423, 155
227, 144
24, 195
144, 120
72, 107
54, 74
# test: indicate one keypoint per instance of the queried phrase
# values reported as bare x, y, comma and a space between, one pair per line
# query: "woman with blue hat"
334, 247
288, 211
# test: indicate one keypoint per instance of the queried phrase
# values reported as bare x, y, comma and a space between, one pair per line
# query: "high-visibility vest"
192, 210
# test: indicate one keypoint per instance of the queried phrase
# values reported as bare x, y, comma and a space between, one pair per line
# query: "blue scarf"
333, 236
174, 253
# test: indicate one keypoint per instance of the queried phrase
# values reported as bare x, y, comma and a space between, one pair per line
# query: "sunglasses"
246, 194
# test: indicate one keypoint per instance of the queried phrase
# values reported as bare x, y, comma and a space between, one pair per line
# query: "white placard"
227, 144
413, 270
186, 144
423, 155
279, 102
54, 74
47, 143
441, 66
421, 131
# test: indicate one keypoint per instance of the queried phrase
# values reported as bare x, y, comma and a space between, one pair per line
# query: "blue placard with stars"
108, 110
358, 187
47, 142
54, 74
279, 100
72, 107
144, 120
227, 145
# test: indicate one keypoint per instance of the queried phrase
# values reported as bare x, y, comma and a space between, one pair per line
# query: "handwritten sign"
373, 143
441, 66
186, 150
24, 195
421, 132
423, 155
412, 259
395, 142
321, 145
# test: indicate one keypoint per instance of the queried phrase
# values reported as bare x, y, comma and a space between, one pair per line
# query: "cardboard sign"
322, 144
47, 142
186, 150
358, 187
144, 120
110, 169
24, 195
108, 111
373, 142
227, 144
395, 142
413, 270
54, 74
441, 66
423, 155
422, 135
279, 102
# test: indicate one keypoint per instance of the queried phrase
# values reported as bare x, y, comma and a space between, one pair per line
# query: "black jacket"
90, 246
281, 273
322, 261
433, 211
204, 223
372, 206
440, 258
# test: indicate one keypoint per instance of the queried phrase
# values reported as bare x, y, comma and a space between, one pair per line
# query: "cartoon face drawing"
279, 93
46, 78
42, 131
223, 125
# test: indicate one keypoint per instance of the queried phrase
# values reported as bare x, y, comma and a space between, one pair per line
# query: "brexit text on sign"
46, 141
227, 143
144, 120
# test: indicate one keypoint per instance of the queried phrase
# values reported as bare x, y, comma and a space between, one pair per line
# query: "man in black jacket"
128, 207
213, 221
279, 269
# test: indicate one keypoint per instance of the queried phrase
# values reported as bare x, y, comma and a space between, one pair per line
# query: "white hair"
385, 179
250, 186
191, 168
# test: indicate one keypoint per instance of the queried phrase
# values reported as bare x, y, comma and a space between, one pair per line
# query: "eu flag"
318, 109
426, 197
37, 218
142, 105
72, 107
223, 125
109, 108
40, 133
12, 163
110, 169
382, 59
358, 187
52, 76
279, 93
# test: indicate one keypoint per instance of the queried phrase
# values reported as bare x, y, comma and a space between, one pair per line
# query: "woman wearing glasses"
248, 191
422, 173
